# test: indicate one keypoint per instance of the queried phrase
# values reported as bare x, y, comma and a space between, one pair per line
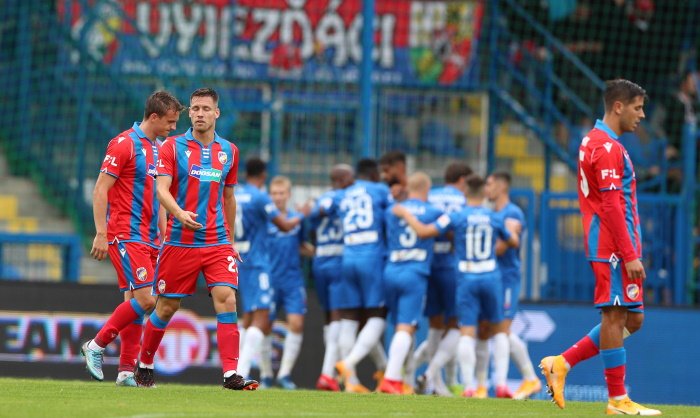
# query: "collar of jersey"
599, 124
190, 137
137, 129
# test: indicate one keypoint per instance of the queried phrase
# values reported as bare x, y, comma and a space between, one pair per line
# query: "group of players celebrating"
387, 246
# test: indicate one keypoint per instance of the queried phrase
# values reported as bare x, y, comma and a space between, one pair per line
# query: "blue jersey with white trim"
403, 245
254, 209
329, 234
283, 251
509, 262
476, 229
361, 208
447, 199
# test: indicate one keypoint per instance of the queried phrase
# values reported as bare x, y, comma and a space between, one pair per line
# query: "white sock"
347, 337
521, 358
398, 350
266, 357
409, 374
92, 345
482, 361
451, 372
501, 359
445, 352
229, 373
241, 338
367, 339
467, 358
292, 346
253, 341
330, 357
378, 356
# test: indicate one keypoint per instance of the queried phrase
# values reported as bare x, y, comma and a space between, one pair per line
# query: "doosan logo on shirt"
205, 174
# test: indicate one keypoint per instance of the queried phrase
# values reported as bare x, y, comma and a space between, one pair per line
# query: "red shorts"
179, 267
134, 263
614, 288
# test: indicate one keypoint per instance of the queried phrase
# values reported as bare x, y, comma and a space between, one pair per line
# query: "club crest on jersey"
161, 286
152, 170
205, 174
222, 157
141, 274
632, 291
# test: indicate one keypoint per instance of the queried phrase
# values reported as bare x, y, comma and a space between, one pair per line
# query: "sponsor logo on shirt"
152, 170
612, 173
205, 174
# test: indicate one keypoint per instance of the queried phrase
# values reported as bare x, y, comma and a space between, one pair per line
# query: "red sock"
121, 317
151, 341
228, 339
130, 337
582, 350
615, 378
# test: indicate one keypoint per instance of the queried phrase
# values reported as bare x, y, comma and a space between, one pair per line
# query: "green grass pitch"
24, 398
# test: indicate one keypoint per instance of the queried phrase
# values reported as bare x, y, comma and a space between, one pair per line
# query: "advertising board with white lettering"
415, 42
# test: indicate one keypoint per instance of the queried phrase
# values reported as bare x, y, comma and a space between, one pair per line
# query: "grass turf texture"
24, 398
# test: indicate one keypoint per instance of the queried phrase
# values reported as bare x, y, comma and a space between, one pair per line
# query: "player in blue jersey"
392, 166
361, 207
479, 287
440, 345
255, 210
287, 281
497, 191
406, 276
326, 267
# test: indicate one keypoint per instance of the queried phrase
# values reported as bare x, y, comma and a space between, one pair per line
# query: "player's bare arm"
162, 223
230, 214
186, 218
99, 212
284, 224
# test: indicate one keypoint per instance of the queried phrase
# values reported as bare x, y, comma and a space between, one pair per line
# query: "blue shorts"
511, 293
327, 279
289, 293
361, 285
254, 288
405, 290
479, 299
442, 286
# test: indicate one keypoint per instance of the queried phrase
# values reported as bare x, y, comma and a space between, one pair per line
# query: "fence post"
24, 58
685, 243
493, 85
366, 108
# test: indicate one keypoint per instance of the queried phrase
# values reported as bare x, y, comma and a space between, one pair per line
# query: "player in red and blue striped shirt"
127, 223
608, 199
196, 175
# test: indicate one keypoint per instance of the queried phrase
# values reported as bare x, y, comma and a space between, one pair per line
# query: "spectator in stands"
680, 110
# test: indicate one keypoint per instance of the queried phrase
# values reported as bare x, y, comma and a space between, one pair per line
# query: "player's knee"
147, 303
634, 322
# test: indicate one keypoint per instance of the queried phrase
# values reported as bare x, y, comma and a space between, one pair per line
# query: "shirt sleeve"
232, 176
166, 159
608, 166
119, 152
501, 231
445, 223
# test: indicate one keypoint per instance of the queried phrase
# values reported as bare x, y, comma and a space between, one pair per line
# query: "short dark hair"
392, 157
160, 103
502, 175
254, 167
456, 171
621, 90
206, 92
475, 185
367, 169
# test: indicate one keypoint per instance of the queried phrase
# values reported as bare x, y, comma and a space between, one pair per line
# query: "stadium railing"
40, 256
